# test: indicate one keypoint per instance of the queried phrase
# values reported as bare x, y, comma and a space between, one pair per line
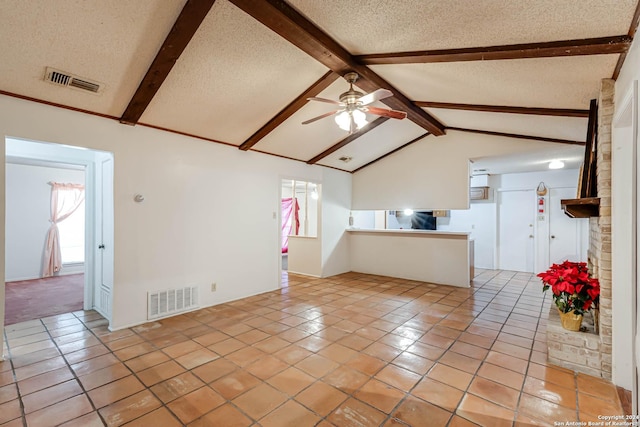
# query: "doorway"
298, 227
97, 168
37, 285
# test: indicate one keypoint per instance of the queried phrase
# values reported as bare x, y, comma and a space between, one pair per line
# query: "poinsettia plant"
573, 287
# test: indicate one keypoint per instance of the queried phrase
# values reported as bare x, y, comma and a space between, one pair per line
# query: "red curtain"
290, 220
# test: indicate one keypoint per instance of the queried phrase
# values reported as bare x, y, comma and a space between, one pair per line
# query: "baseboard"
68, 272
133, 325
304, 274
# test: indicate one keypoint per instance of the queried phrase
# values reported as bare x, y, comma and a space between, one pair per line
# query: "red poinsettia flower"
572, 286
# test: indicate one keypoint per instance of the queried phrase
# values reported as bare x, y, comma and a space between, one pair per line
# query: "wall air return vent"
62, 78
165, 303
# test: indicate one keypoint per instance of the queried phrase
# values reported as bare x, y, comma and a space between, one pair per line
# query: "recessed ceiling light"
556, 164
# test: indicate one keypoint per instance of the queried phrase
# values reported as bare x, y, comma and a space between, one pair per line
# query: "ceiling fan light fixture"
360, 118
344, 119
556, 164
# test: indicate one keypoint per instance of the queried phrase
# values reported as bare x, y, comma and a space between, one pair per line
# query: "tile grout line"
284, 298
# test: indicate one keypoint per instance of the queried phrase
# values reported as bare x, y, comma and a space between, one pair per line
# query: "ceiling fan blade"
374, 96
393, 114
328, 101
330, 113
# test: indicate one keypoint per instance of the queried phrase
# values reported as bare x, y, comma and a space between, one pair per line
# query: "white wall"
28, 196
2, 261
192, 228
334, 220
480, 220
433, 173
530, 180
624, 246
364, 219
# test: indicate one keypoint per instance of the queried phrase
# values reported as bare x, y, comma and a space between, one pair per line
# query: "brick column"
589, 352
600, 227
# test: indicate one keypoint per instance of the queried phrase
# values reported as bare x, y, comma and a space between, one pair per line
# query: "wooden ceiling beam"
320, 85
633, 28
594, 46
517, 136
188, 22
281, 18
560, 112
349, 139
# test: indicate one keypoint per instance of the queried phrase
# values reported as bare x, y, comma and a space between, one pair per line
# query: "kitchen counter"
423, 233
442, 257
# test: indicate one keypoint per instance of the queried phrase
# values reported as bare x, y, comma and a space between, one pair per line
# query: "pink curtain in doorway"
290, 220
65, 199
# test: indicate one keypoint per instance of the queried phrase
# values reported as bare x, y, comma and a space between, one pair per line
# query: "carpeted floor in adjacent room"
38, 298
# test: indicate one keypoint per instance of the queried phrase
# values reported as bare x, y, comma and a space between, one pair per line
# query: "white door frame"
57, 153
625, 250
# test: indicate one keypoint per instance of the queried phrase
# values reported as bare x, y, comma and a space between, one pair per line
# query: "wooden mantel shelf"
581, 208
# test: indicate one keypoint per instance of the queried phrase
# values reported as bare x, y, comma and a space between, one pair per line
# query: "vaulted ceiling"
239, 72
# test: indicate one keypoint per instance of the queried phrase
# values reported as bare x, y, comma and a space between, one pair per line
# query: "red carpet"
34, 299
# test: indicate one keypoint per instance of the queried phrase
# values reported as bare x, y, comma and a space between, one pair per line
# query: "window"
72, 237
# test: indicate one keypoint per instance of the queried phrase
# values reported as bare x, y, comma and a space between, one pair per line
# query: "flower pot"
570, 321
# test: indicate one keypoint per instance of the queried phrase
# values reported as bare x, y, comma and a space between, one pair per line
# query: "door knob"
531, 236
553, 237
100, 246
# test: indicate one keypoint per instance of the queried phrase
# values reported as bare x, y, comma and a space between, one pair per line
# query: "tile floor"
350, 350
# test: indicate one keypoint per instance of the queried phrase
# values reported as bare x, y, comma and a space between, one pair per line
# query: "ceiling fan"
353, 106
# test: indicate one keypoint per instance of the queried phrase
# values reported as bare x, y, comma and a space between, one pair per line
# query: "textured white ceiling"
233, 78
374, 144
236, 74
568, 82
109, 41
379, 26
569, 128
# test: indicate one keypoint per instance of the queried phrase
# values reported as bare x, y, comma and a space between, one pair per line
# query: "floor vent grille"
172, 301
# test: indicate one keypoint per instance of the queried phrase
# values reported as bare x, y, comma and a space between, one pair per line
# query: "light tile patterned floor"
350, 350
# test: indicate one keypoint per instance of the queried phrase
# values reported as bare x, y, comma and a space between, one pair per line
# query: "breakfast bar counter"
442, 257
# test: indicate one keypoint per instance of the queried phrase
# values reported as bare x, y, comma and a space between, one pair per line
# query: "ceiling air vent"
62, 78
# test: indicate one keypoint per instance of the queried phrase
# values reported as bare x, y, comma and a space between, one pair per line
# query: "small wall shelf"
581, 208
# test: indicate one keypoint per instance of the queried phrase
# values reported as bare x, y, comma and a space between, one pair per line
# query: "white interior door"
516, 232
104, 239
565, 237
